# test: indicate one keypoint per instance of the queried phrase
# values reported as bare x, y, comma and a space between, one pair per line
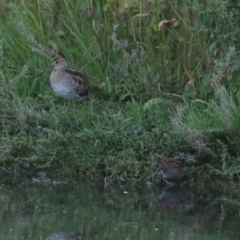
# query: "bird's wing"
81, 82
174, 163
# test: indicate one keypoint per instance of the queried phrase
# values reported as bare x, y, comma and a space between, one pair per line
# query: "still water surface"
66, 211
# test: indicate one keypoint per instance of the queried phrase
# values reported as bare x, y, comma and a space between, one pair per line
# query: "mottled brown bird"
67, 82
170, 168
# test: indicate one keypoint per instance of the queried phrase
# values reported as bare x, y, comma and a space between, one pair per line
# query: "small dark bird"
67, 82
170, 168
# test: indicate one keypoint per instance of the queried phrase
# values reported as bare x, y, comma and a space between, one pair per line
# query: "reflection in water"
64, 236
170, 204
169, 200
32, 211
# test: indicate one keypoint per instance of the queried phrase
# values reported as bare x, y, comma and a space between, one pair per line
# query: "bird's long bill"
43, 71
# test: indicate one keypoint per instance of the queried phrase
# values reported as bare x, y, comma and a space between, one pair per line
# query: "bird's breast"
64, 87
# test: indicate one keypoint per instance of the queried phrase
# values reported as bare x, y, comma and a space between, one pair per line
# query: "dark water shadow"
30, 210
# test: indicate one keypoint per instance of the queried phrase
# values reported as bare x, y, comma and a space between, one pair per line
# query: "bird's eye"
56, 62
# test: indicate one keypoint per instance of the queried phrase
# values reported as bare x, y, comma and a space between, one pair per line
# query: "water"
34, 211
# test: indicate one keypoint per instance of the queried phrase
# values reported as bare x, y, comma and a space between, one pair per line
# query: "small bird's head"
57, 63
160, 158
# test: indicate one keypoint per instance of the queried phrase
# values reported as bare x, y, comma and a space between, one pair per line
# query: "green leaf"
238, 95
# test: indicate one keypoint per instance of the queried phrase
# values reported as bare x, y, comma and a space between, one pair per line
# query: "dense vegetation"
168, 72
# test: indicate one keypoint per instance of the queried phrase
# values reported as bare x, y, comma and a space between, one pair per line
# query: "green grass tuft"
173, 91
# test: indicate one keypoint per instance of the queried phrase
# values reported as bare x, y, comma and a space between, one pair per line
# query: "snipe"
67, 82
170, 168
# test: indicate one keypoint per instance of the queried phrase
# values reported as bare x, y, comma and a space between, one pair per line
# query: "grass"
172, 91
